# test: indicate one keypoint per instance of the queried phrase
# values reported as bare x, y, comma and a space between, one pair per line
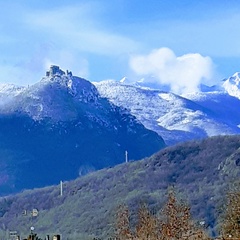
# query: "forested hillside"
200, 172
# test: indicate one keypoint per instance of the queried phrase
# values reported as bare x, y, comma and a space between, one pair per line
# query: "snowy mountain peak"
58, 96
232, 85
178, 118
236, 75
234, 79
124, 80
76, 86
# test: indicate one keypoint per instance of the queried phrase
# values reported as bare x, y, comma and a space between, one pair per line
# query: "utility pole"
61, 188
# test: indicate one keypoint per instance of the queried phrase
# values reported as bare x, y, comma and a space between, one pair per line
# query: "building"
54, 70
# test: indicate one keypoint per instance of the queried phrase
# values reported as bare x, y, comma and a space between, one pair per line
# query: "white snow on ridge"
214, 111
166, 96
8, 92
232, 85
11, 89
54, 97
174, 117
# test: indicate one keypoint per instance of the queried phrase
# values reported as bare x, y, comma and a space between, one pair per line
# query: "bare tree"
230, 220
123, 231
175, 216
147, 227
174, 223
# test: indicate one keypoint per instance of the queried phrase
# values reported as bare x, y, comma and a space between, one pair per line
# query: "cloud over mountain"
183, 73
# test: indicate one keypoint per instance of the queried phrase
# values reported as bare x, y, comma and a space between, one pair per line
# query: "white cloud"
183, 74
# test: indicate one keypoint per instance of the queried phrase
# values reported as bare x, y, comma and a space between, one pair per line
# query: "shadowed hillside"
199, 170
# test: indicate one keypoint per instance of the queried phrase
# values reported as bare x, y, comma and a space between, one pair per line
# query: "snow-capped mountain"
179, 118
232, 85
60, 128
56, 97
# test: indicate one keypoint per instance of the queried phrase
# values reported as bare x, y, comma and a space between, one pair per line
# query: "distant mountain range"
60, 128
213, 111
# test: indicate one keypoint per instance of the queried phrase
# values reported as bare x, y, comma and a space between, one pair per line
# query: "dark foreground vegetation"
200, 171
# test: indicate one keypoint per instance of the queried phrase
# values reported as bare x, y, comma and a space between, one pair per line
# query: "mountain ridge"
178, 118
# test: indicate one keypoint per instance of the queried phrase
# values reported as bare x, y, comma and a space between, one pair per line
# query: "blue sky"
105, 39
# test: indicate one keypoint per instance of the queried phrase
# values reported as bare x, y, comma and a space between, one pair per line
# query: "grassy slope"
200, 170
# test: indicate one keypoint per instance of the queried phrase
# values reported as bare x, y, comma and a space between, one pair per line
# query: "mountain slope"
173, 117
199, 170
223, 106
61, 128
